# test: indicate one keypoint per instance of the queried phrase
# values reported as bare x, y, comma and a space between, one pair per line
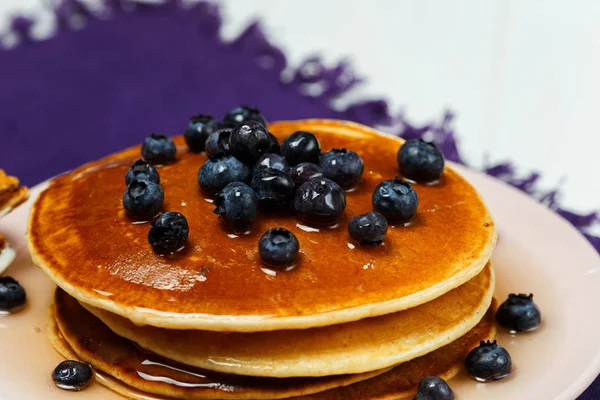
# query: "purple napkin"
147, 68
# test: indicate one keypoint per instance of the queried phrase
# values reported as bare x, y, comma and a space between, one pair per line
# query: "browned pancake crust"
79, 234
93, 342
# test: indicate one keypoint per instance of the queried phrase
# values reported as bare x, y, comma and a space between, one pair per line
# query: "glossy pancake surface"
139, 374
354, 347
80, 236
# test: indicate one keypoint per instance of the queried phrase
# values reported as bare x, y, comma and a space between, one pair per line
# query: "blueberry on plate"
278, 248
304, 172
168, 232
369, 228
488, 362
420, 161
198, 130
274, 161
73, 375
434, 388
236, 204
142, 170
217, 143
158, 149
519, 313
250, 140
273, 188
396, 200
243, 113
319, 201
342, 166
143, 199
301, 147
12, 294
218, 172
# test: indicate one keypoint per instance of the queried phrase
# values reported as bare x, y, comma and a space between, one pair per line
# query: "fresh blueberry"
142, 170
236, 204
243, 113
420, 161
342, 166
434, 388
274, 161
488, 362
198, 130
218, 172
369, 228
158, 149
304, 172
217, 144
396, 200
319, 201
519, 313
273, 188
278, 248
72, 375
12, 294
143, 199
249, 141
301, 147
168, 232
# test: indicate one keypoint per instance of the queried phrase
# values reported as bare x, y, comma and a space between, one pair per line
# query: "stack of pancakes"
212, 322
11, 195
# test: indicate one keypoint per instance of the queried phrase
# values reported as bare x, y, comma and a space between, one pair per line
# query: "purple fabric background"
86, 93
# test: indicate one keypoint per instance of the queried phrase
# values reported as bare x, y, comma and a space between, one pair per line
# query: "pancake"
11, 193
350, 348
80, 236
138, 374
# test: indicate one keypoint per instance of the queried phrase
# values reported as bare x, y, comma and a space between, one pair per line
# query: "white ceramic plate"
538, 252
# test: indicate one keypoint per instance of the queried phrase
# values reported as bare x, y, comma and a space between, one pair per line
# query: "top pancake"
81, 237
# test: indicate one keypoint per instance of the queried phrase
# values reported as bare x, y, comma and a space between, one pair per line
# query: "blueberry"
12, 294
301, 147
243, 113
143, 199
236, 204
198, 130
273, 188
488, 362
304, 172
142, 170
278, 248
319, 201
168, 232
433, 388
342, 166
369, 228
274, 161
396, 200
158, 149
519, 313
217, 144
218, 172
249, 141
72, 375
420, 161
